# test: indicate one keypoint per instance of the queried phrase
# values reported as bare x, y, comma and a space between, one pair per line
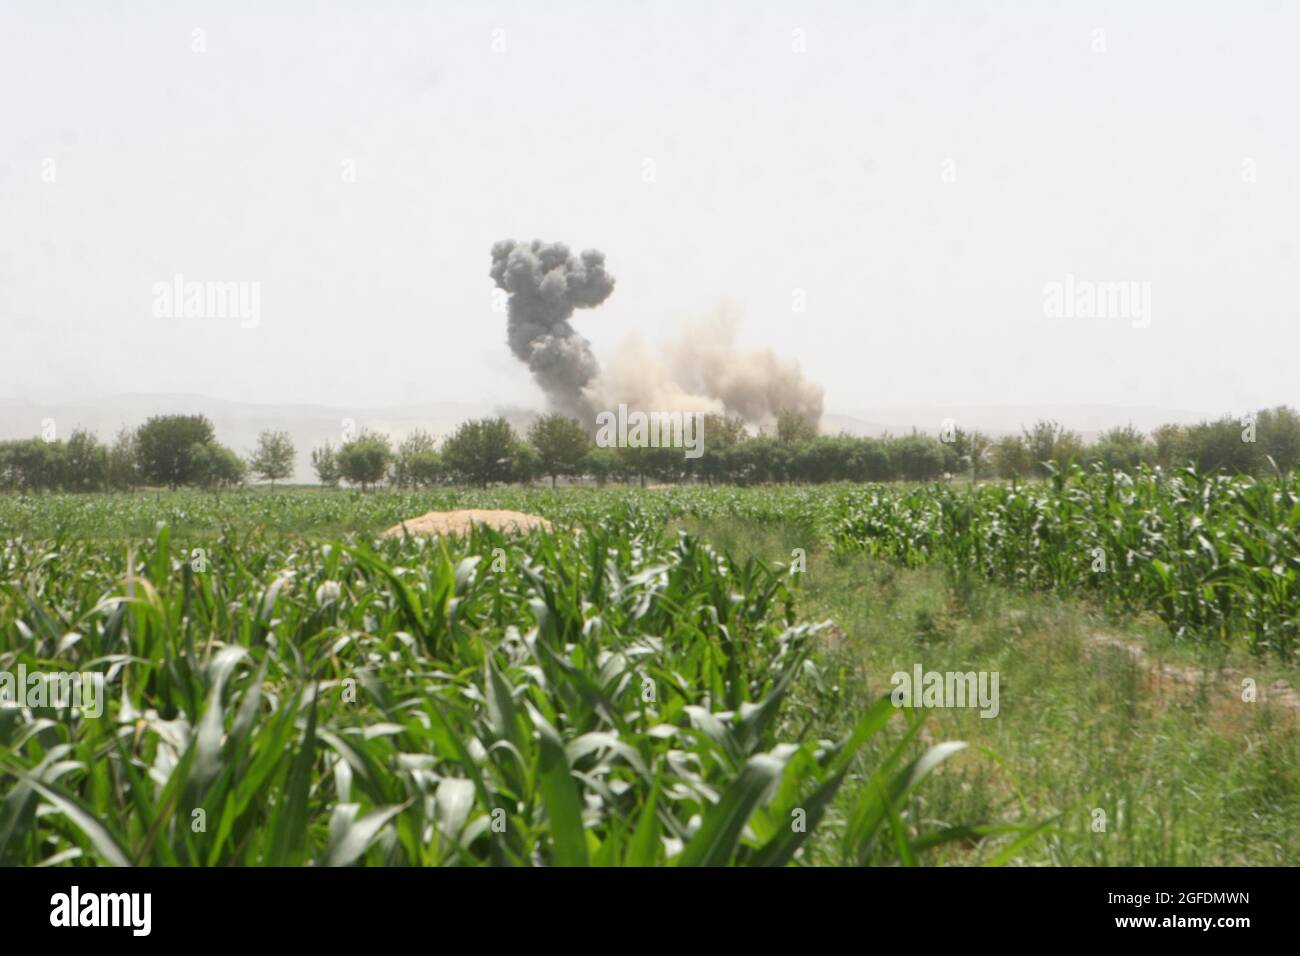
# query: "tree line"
167, 450
181, 450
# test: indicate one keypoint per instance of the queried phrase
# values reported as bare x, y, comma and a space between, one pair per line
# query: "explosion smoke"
546, 283
701, 372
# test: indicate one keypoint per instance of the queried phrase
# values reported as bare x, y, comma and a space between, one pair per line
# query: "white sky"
775, 171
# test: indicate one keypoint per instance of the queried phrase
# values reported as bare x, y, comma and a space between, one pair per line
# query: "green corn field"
281, 687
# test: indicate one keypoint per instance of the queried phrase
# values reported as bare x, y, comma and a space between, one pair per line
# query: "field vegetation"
672, 676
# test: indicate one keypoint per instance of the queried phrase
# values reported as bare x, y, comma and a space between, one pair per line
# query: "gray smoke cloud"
702, 371
546, 283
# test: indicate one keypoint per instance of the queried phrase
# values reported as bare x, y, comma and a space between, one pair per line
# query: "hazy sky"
919, 170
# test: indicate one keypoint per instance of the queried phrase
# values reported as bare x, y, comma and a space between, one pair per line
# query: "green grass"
1184, 774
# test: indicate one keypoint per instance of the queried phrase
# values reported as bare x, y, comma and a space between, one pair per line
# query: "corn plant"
608, 697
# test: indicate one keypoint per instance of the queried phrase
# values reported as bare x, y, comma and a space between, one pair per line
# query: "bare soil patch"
1172, 681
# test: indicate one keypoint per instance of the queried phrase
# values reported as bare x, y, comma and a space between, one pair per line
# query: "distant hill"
834, 423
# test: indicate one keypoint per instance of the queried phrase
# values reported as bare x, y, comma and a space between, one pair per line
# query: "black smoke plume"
546, 283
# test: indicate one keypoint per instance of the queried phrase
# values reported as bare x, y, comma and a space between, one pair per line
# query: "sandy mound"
459, 522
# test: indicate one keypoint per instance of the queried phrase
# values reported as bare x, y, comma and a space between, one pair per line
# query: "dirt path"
1168, 680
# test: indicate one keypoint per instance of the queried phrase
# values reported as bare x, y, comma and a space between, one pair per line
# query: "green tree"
1011, 457
601, 464
216, 466
274, 457
972, 452
8, 471
824, 458
1225, 445
1170, 446
85, 462
1049, 441
722, 433
417, 464
123, 474
634, 462
31, 464
525, 463
42, 464
981, 454
325, 462
1279, 436
868, 460
763, 458
364, 461
917, 457
666, 463
1119, 449
794, 428
165, 448
482, 451
560, 443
